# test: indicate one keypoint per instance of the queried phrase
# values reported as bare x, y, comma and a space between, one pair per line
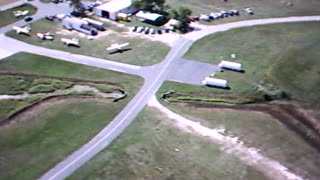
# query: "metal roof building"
111, 9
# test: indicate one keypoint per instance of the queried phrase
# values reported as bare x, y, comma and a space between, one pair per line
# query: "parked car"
50, 18
28, 18
134, 28
233, 12
204, 17
214, 16
224, 14
194, 18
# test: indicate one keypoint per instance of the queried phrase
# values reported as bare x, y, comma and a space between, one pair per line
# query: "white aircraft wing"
117, 46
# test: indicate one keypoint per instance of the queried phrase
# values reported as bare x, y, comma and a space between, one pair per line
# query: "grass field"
41, 138
31, 147
262, 9
7, 16
258, 130
146, 150
284, 55
143, 52
5, 2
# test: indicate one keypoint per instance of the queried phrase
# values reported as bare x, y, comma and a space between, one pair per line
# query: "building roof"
148, 15
115, 5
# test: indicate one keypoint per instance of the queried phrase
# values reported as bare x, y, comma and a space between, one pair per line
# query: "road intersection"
172, 68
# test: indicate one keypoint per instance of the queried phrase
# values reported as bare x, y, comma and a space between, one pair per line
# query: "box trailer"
79, 25
215, 82
96, 24
230, 65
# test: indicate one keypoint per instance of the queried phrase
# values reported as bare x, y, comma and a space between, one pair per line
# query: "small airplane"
115, 48
19, 30
71, 42
248, 11
20, 13
45, 36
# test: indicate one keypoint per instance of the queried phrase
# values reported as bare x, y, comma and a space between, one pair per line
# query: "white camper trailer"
79, 25
96, 24
111, 9
215, 82
230, 65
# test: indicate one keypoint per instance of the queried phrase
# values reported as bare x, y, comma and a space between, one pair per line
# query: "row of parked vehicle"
221, 14
149, 30
213, 16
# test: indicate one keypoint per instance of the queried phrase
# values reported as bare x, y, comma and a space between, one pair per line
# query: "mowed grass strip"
140, 51
7, 16
52, 130
284, 55
41, 65
152, 148
31, 147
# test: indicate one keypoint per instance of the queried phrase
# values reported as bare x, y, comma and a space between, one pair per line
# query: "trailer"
230, 65
79, 25
221, 83
96, 24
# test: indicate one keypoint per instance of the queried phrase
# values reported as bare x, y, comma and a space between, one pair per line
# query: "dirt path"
74, 89
250, 156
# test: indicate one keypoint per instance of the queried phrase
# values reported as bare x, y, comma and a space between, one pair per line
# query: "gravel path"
250, 156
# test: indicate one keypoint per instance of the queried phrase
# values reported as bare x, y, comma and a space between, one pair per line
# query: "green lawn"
41, 137
146, 150
5, 2
41, 65
143, 51
7, 16
284, 55
262, 9
31, 147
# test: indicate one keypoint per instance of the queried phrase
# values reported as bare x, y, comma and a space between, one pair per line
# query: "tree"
76, 4
181, 13
151, 5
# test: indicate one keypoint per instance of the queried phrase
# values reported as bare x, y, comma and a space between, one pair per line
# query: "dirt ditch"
42, 105
286, 113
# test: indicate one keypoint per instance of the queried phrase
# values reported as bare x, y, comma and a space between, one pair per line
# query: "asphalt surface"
173, 68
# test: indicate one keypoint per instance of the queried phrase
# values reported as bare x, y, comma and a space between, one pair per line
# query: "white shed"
151, 18
215, 82
111, 9
230, 65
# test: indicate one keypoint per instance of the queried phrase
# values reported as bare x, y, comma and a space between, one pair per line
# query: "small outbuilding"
151, 18
111, 9
230, 65
221, 83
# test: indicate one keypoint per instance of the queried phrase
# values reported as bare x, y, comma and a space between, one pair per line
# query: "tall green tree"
76, 4
181, 13
151, 5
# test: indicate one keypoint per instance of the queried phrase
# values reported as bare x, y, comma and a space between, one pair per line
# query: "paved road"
153, 80
172, 68
116, 127
11, 46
